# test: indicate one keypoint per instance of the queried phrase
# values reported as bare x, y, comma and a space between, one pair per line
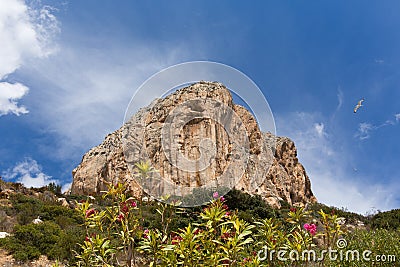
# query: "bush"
20, 251
47, 238
57, 237
216, 235
386, 220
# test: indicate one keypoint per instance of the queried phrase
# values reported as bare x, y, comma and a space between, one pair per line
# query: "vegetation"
386, 220
218, 236
232, 230
57, 236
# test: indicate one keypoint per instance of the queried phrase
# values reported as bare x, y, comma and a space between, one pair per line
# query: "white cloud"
66, 187
85, 91
29, 173
364, 130
25, 33
340, 97
319, 128
9, 94
329, 166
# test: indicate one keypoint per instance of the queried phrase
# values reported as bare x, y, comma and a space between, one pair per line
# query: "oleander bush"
217, 236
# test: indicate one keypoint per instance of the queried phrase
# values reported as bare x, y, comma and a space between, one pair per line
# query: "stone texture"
208, 141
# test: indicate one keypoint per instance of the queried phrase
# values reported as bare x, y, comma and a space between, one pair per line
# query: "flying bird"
359, 104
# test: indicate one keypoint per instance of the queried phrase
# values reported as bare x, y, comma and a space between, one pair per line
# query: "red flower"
87, 239
197, 231
222, 198
120, 217
90, 212
225, 207
133, 204
176, 239
124, 207
292, 209
227, 235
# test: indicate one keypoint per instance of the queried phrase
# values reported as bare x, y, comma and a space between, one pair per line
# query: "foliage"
27, 208
351, 217
57, 237
54, 188
232, 230
47, 238
249, 206
218, 237
386, 220
383, 246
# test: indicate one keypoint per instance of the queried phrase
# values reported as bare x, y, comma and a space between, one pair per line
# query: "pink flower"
87, 239
222, 198
227, 214
133, 204
145, 234
312, 228
215, 195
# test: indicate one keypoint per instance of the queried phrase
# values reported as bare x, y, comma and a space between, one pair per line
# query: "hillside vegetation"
231, 230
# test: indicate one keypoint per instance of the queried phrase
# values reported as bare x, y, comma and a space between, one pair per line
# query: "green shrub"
386, 220
47, 238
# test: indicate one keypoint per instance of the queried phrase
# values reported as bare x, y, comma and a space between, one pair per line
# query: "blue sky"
69, 68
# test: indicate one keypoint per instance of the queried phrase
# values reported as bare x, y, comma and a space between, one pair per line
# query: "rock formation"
197, 137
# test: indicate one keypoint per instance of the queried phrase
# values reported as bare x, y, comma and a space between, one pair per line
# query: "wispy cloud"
319, 128
340, 97
365, 129
85, 91
29, 173
329, 165
25, 33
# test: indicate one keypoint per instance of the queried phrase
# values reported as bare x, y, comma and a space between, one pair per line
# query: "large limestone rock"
197, 151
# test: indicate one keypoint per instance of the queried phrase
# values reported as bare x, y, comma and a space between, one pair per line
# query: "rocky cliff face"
196, 137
